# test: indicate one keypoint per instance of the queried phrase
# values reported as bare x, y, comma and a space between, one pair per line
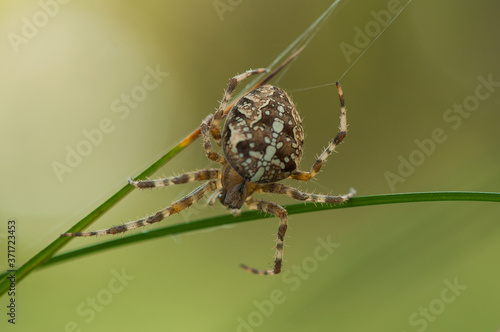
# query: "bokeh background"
408, 267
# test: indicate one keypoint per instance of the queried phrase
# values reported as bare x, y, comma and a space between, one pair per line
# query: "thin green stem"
292, 209
43, 256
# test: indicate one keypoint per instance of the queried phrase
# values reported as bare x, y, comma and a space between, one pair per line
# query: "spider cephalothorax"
262, 143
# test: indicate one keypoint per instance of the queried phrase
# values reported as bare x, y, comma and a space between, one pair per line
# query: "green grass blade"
43, 256
292, 209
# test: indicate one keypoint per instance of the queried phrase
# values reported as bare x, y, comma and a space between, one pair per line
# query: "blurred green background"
408, 267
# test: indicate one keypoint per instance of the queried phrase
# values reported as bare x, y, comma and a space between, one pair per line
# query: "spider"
262, 142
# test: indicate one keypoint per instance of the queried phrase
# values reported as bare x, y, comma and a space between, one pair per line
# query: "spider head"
234, 196
235, 189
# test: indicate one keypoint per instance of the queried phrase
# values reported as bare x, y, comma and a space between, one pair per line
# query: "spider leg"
201, 175
176, 207
219, 114
278, 188
280, 212
306, 176
205, 131
213, 198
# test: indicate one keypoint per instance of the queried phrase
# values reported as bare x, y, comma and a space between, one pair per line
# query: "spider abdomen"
263, 137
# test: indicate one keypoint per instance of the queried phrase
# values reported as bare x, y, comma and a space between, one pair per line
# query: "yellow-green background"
392, 259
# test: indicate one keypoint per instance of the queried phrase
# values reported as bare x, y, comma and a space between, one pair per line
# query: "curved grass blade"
43, 256
292, 209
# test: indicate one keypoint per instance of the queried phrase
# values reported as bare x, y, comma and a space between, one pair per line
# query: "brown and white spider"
262, 144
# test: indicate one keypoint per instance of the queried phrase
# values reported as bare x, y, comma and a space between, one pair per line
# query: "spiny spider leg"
176, 207
268, 123
201, 175
278, 188
213, 198
207, 144
233, 82
281, 213
306, 176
